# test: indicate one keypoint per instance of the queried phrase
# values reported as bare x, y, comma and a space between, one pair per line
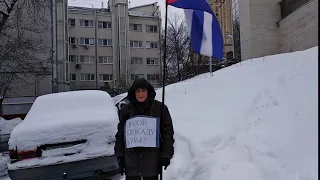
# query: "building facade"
111, 47
223, 12
270, 27
60, 63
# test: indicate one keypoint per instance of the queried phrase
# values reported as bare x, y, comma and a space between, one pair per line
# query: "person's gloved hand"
121, 164
164, 161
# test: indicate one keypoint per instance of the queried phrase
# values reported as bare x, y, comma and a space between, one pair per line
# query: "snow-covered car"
68, 134
120, 100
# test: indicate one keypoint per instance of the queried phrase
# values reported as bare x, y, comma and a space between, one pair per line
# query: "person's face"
141, 95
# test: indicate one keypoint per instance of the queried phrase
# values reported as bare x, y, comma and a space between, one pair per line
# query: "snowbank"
6, 126
65, 117
3, 167
254, 120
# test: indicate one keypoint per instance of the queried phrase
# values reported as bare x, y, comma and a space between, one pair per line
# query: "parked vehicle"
68, 135
120, 100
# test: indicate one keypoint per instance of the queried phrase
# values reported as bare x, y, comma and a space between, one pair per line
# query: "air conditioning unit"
74, 46
78, 66
86, 46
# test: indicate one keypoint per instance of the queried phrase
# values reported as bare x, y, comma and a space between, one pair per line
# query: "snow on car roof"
67, 116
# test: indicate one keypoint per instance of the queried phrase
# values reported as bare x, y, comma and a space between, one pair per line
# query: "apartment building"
110, 47
223, 12
270, 27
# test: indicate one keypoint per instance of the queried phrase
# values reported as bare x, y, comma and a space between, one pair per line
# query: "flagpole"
164, 72
210, 64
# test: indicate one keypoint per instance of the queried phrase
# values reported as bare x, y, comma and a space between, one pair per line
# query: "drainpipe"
96, 45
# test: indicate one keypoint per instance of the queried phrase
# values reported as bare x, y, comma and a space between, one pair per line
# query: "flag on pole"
203, 27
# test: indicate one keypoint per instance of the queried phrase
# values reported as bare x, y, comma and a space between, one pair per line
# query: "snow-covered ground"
256, 120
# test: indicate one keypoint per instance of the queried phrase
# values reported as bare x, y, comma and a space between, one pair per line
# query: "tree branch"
6, 16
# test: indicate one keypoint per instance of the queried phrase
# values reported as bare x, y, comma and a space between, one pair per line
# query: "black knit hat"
140, 83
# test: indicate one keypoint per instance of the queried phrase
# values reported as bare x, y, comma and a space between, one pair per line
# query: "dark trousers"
139, 178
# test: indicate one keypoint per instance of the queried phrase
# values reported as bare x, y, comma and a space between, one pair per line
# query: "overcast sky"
98, 4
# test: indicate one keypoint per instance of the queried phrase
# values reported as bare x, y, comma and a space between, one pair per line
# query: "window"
151, 45
151, 28
152, 61
136, 27
136, 60
104, 25
73, 77
72, 40
72, 22
153, 77
105, 42
87, 59
136, 44
289, 6
105, 60
86, 41
136, 76
87, 77
72, 58
105, 77
86, 23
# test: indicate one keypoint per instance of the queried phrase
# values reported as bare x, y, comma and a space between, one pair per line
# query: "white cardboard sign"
142, 131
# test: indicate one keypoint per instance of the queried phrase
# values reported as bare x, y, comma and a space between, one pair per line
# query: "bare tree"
124, 82
23, 44
177, 48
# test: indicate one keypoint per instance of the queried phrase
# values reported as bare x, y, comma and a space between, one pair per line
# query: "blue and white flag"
203, 27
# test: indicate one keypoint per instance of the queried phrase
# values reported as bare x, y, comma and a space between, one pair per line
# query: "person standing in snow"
143, 161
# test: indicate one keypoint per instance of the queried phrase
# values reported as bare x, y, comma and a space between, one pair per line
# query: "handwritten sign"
142, 131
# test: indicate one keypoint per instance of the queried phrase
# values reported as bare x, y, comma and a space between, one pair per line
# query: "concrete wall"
245, 32
258, 30
261, 35
299, 30
264, 33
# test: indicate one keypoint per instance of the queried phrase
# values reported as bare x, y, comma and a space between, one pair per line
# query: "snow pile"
65, 117
254, 120
3, 167
6, 126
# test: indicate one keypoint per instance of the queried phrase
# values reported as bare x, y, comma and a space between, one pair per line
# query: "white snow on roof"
63, 117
